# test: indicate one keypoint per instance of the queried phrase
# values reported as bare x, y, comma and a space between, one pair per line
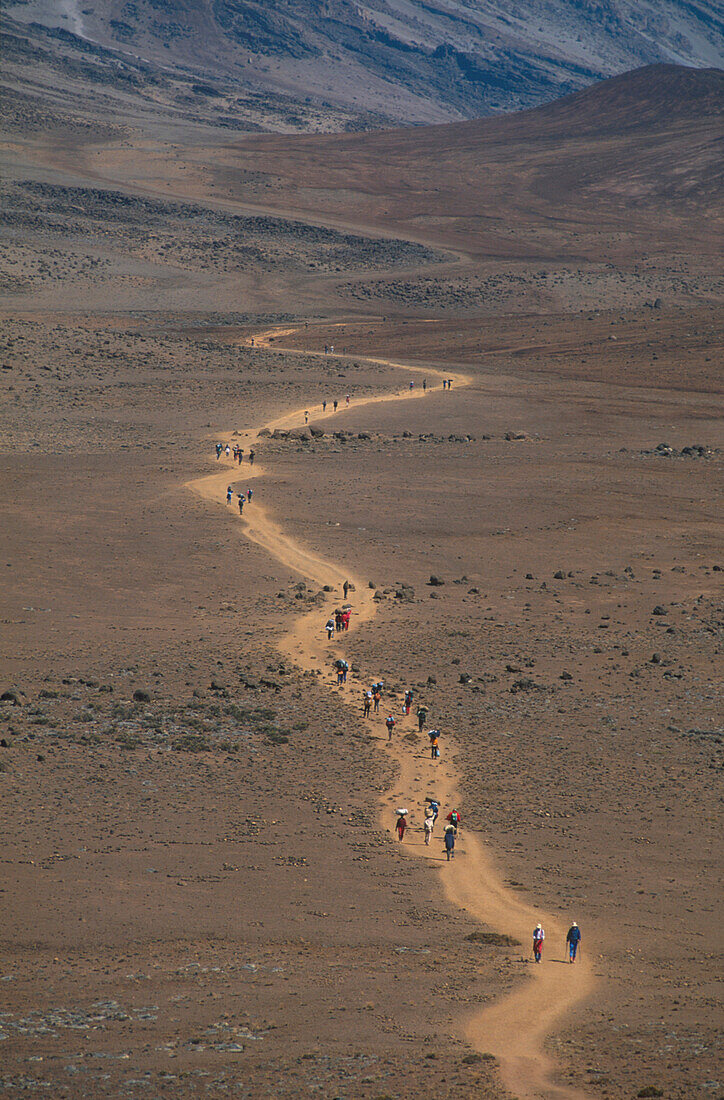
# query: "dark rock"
140, 696
266, 682
496, 939
3, 743
465, 678
263, 434
40, 757
656, 659
327, 588
513, 436
317, 433
45, 694
435, 581
659, 610
559, 575
529, 577
280, 433
11, 696
302, 434
524, 684
431, 680
473, 591
566, 676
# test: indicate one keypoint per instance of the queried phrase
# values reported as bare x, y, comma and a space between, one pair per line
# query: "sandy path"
515, 1028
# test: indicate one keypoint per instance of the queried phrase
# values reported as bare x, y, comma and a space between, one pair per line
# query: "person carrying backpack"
390, 723
401, 826
422, 711
573, 940
434, 748
329, 627
450, 842
538, 937
455, 819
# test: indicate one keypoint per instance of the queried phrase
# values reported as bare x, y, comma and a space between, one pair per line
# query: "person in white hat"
538, 937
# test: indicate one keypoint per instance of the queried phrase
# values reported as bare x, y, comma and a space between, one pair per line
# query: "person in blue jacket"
573, 939
450, 842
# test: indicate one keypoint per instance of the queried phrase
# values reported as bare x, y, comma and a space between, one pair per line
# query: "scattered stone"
431, 680
11, 696
435, 581
140, 696
559, 575
659, 610
465, 678
496, 939
566, 676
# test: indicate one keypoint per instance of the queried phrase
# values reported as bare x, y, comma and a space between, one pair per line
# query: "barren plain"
201, 891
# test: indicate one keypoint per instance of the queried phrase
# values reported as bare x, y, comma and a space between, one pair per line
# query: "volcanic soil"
202, 895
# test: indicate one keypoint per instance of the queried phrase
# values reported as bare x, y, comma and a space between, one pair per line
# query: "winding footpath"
516, 1027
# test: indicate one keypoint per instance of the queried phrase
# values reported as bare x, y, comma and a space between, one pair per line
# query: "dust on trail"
515, 1028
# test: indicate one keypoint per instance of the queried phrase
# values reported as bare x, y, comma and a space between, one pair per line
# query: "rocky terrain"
201, 891
418, 62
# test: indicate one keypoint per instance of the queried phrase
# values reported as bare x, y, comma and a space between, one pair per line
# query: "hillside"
408, 62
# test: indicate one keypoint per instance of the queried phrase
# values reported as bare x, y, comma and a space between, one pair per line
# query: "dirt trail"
515, 1028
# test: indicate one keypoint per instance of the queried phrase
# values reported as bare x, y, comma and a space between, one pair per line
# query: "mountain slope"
412, 60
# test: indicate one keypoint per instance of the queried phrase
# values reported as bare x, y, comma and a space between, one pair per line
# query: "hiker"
455, 819
434, 749
229, 494
249, 494
339, 665
449, 383
219, 449
401, 824
573, 939
335, 405
306, 416
234, 452
538, 937
444, 383
367, 704
338, 620
376, 697
412, 385
324, 406
347, 399
345, 670
407, 705
251, 458
449, 842
242, 502
252, 341
329, 627
424, 384
390, 723
227, 450
326, 349
428, 826
345, 588
346, 616
240, 455
434, 808
421, 717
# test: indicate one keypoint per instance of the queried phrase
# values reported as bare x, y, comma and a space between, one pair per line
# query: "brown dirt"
201, 895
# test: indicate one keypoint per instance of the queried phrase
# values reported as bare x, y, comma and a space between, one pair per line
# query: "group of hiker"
338, 621
573, 940
432, 812
235, 453
242, 497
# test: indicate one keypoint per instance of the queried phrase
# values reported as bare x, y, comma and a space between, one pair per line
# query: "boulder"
302, 434
435, 581
141, 696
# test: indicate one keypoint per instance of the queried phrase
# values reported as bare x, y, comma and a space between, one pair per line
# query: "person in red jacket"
401, 826
455, 819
